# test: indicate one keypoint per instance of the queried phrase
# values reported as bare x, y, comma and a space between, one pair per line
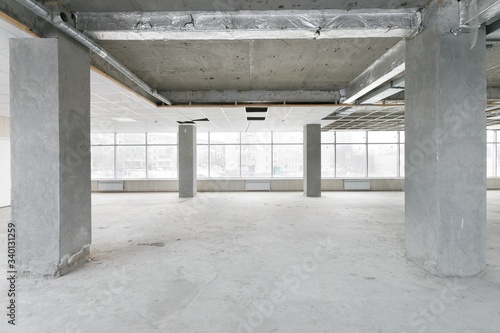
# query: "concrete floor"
256, 262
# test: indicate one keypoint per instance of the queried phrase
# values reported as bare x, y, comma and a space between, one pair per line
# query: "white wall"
4, 162
4, 172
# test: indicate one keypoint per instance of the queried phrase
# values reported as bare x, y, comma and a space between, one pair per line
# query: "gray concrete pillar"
312, 160
445, 188
50, 142
187, 161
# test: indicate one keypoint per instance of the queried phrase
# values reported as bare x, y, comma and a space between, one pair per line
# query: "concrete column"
187, 161
312, 160
50, 142
445, 188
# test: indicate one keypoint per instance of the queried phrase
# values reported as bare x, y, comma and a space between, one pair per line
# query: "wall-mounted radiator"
110, 185
258, 185
357, 184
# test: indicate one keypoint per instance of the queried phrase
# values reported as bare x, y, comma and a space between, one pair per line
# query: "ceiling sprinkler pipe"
59, 22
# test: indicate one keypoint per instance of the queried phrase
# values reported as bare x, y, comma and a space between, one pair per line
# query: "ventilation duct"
58, 22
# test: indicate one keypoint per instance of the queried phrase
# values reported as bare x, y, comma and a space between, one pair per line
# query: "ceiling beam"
232, 25
252, 96
383, 92
389, 65
479, 11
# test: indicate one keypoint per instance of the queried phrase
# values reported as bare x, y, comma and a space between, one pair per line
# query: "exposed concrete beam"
27, 20
252, 96
480, 11
283, 24
386, 67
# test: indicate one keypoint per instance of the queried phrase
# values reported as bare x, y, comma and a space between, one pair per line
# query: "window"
327, 160
383, 137
490, 160
130, 138
351, 160
383, 160
162, 138
224, 161
103, 162
224, 138
102, 138
131, 162
287, 137
202, 160
401, 160
351, 137
256, 161
288, 161
256, 137
349, 154
201, 138
162, 161
327, 137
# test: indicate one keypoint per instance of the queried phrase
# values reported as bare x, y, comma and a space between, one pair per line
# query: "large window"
256, 161
134, 155
288, 161
224, 161
344, 154
351, 160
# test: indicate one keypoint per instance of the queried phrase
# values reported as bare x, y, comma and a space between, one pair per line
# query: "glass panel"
162, 138
162, 162
102, 138
225, 161
490, 135
327, 161
287, 137
401, 160
256, 161
131, 162
351, 160
383, 137
382, 160
351, 137
327, 137
288, 161
201, 138
224, 138
103, 162
490, 160
402, 137
256, 137
202, 160
130, 138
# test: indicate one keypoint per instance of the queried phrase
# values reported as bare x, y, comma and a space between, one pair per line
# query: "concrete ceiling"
249, 64
315, 66
231, 5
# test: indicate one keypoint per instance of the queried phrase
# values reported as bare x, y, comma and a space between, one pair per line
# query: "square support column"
312, 160
187, 161
445, 122
50, 142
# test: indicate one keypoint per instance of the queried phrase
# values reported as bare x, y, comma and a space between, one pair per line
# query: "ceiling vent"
256, 109
256, 113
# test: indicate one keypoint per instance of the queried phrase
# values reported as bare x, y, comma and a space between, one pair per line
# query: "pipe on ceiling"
63, 26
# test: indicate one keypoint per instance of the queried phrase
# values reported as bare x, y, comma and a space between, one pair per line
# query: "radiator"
110, 185
258, 185
357, 184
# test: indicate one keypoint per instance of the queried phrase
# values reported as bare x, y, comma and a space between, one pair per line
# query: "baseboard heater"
357, 184
258, 185
110, 185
